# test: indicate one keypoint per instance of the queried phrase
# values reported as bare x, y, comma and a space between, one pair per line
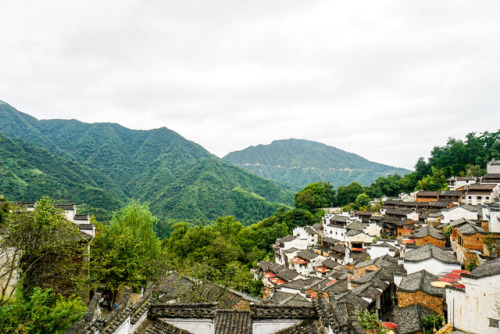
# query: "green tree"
46, 249
362, 201
432, 322
40, 312
435, 181
127, 253
370, 322
315, 195
347, 195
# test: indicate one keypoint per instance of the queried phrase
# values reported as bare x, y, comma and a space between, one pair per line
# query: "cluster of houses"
424, 254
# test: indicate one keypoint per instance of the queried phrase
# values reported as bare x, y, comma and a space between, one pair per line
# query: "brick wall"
474, 241
411, 298
430, 240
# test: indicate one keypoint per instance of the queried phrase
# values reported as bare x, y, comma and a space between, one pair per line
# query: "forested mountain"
295, 163
28, 172
179, 178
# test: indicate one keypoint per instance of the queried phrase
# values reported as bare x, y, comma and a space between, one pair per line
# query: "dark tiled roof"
477, 186
331, 241
161, 327
421, 281
335, 288
287, 274
355, 226
440, 204
282, 312
409, 319
65, 206
339, 248
196, 310
352, 233
398, 212
308, 326
307, 254
429, 251
276, 268
381, 274
329, 263
291, 250
451, 193
288, 299
82, 217
300, 283
339, 219
425, 231
317, 226
385, 261
264, 265
489, 268
469, 229
287, 239
367, 291
427, 193
229, 322
309, 230
86, 226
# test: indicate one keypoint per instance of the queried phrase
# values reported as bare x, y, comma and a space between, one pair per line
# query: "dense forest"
295, 163
102, 166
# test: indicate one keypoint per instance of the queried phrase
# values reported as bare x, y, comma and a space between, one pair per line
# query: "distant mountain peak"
294, 163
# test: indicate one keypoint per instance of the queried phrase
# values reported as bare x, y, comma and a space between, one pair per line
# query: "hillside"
178, 178
28, 173
294, 163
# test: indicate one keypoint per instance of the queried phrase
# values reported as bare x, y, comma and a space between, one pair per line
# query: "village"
425, 255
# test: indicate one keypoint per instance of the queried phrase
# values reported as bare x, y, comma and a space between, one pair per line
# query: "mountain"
28, 172
294, 163
178, 178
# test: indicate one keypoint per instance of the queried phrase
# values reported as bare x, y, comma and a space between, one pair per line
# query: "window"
494, 323
479, 197
470, 197
487, 197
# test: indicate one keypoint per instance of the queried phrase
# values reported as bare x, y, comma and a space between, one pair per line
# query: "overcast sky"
387, 80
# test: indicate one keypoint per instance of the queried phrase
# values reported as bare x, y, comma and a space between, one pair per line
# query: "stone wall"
474, 241
419, 297
430, 240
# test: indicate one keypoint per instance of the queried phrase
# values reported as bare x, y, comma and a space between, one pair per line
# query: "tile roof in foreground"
429, 251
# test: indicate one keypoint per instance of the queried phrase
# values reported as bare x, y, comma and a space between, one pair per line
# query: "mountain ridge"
158, 166
294, 163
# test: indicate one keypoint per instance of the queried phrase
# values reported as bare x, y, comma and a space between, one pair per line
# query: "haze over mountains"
101, 166
294, 163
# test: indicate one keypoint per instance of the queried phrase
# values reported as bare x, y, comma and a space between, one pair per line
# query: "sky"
388, 80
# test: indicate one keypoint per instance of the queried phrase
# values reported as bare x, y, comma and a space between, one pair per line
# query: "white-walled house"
307, 233
479, 194
334, 227
286, 243
493, 214
381, 248
457, 182
432, 259
457, 212
493, 167
476, 308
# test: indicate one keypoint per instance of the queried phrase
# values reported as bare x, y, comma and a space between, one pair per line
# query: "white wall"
470, 310
272, 326
431, 265
449, 216
377, 251
195, 326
